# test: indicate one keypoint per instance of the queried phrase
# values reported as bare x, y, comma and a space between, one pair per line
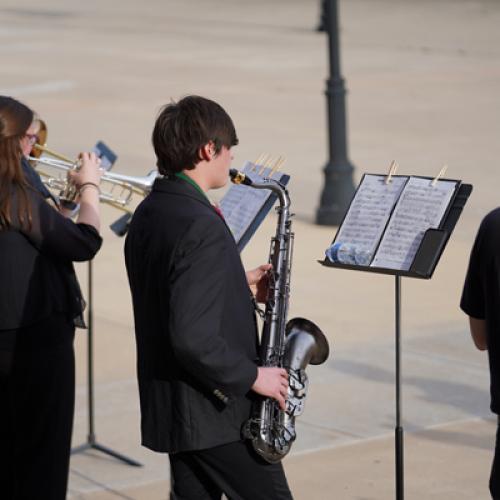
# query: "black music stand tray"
423, 266
91, 438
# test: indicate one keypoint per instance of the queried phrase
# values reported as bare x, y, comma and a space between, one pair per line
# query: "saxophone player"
195, 324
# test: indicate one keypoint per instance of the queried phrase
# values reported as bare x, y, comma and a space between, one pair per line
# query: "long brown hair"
15, 119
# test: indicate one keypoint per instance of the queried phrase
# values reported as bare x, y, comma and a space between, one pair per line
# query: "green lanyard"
183, 176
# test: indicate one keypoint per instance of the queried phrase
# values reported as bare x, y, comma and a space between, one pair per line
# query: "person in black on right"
481, 302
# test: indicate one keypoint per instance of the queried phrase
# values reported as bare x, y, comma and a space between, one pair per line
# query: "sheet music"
420, 207
241, 204
369, 212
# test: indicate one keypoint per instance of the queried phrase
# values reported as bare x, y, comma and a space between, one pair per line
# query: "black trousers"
36, 416
495, 468
233, 469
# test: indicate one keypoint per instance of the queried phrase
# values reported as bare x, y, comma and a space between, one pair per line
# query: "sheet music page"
420, 207
369, 212
241, 204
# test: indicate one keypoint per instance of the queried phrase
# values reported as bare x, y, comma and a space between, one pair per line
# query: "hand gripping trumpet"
116, 189
119, 188
291, 345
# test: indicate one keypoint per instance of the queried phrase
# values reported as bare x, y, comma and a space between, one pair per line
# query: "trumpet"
117, 190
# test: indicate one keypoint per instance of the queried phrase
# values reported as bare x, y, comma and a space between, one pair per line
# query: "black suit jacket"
194, 321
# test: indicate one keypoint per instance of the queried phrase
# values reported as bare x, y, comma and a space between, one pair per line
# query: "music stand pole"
91, 439
399, 427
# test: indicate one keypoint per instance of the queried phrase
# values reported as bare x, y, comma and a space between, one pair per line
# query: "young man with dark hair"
194, 316
481, 302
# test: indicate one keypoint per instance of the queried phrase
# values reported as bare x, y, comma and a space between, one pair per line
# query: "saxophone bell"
305, 344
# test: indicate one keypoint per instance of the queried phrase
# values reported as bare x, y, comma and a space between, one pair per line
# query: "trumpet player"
194, 316
40, 302
28, 141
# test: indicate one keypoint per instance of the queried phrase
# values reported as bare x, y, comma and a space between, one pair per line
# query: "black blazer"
194, 321
37, 277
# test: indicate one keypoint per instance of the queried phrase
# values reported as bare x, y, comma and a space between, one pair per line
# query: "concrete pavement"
423, 80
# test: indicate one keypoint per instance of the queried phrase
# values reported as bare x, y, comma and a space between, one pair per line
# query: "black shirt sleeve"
58, 236
473, 299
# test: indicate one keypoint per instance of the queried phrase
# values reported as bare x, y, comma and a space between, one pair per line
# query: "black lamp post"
322, 17
339, 186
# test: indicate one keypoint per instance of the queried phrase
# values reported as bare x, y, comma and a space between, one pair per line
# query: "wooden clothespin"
439, 175
392, 171
265, 164
269, 162
277, 165
258, 161
261, 165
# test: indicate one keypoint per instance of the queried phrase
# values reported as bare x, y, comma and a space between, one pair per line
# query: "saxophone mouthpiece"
238, 177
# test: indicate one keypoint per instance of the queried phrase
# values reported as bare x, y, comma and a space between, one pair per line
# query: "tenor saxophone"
291, 345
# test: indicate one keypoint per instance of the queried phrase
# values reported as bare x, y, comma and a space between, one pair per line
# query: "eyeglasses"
32, 138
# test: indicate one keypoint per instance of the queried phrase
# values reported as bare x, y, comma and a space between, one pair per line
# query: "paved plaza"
423, 80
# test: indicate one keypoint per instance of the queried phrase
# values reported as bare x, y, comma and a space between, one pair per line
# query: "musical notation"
369, 212
421, 206
386, 221
244, 208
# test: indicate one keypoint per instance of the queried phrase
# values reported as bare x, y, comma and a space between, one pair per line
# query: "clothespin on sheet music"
265, 164
277, 165
269, 162
392, 171
258, 161
439, 175
260, 166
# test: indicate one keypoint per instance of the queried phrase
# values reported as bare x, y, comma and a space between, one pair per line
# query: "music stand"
424, 263
244, 208
91, 437
108, 157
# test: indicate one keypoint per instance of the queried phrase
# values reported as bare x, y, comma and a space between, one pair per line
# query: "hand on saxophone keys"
273, 383
258, 281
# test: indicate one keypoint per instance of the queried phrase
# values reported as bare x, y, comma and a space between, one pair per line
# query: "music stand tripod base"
91, 443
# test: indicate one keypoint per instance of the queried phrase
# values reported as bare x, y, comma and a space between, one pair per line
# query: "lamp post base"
337, 194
